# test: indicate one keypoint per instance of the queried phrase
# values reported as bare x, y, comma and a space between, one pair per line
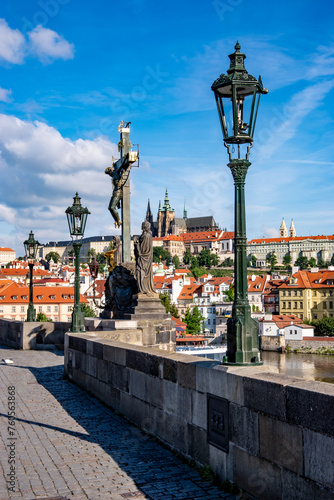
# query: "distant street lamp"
232, 90
31, 247
77, 218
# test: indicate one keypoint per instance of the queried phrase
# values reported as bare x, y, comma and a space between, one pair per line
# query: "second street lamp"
77, 218
31, 247
241, 92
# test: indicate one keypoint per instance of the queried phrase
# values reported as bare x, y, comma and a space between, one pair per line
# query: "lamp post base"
31, 313
78, 320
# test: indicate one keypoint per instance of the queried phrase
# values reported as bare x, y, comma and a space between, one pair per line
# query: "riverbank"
309, 345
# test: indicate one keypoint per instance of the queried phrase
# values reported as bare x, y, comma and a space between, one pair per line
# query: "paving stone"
70, 445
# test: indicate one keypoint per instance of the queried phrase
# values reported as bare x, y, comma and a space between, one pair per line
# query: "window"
208, 322
283, 305
283, 293
314, 293
289, 305
331, 305
301, 305
295, 305
55, 309
324, 305
40, 309
314, 305
22, 309
290, 332
48, 309
295, 293
13, 309
1, 309
295, 332
289, 293
214, 321
209, 309
300, 293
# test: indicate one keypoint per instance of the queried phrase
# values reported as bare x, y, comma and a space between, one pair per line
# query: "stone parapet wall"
279, 429
32, 335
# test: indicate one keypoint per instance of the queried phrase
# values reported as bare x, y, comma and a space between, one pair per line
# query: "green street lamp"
31, 247
237, 97
77, 218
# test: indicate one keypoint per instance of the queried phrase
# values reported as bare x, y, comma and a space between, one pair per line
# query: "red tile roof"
41, 295
285, 240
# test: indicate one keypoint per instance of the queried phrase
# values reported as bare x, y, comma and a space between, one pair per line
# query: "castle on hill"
167, 223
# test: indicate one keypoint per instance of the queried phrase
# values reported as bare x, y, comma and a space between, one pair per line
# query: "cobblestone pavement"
66, 443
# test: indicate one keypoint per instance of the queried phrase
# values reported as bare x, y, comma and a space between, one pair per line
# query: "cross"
120, 175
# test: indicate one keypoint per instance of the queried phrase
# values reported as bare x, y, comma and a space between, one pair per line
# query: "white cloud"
12, 44
5, 95
49, 45
40, 172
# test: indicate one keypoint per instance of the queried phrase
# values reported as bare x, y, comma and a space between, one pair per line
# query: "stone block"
256, 476
154, 391
92, 385
102, 370
186, 375
266, 395
79, 378
98, 350
244, 428
170, 369
79, 361
311, 404
295, 487
319, 457
281, 443
134, 409
118, 377
218, 461
119, 324
171, 429
109, 352
199, 409
178, 400
120, 356
137, 386
198, 447
91, 366
217, 380
137, 361
78, 343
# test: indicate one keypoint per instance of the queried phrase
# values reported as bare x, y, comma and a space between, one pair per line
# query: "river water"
308, 366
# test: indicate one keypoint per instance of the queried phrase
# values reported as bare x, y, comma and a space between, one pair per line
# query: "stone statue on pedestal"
144, 258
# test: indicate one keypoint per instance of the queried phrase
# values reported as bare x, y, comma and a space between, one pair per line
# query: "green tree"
228, 262
207, 259
43, 318
253, 258
187, 257
312, 262
302, 262
176, 261
198, 271
87, 310
272, 260
100, 258
166, 302
332, 260
159, 252
323, 327
230, 293
91, 253
214, 259
54, 256
194, 321
287, 259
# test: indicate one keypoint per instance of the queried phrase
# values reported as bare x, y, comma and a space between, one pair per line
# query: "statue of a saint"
144, 259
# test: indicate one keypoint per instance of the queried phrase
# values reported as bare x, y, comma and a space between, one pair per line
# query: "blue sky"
70, 70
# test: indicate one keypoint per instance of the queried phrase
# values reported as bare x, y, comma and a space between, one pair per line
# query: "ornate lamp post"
77, 218
240, 93
31, 246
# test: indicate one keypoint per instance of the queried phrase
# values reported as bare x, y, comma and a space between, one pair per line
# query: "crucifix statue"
120, 176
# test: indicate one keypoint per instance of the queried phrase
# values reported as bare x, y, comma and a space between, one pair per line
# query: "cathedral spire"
292, 230
283, 230
149, 215
185, 215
